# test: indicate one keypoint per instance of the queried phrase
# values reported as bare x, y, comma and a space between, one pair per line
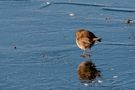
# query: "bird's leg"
87, 51
83, 55
86, 54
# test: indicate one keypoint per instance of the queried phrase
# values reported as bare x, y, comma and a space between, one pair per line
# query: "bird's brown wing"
85, 42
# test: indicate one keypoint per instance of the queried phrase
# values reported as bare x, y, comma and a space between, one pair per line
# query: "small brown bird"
85, 39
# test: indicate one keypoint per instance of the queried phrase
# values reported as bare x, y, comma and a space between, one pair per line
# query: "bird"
86, 39
130, 21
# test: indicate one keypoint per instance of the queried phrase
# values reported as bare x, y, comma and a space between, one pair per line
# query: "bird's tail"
97, 39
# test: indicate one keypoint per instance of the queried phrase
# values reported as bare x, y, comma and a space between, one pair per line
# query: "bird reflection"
87, 72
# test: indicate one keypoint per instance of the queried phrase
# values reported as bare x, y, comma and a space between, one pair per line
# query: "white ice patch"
99, 81
71, 14
115, 76
86, 84
48, 3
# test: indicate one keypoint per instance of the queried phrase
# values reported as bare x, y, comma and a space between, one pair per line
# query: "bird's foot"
87, 55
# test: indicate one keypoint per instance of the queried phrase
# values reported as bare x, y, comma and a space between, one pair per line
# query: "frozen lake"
46, 56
